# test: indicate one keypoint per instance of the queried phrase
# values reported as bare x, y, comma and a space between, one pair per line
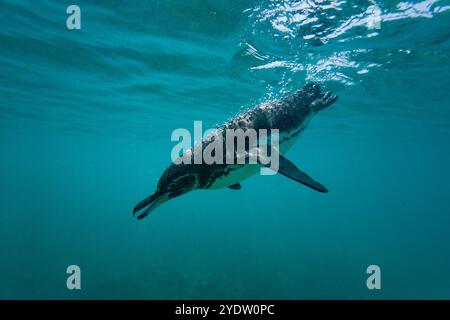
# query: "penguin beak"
149, 204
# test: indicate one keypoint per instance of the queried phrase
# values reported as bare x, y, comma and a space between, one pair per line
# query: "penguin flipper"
290, 170
236, 186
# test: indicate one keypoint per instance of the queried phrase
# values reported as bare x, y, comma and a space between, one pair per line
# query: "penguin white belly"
241, 173
236, 176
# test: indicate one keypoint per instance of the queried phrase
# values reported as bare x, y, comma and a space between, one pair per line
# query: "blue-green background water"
85, 124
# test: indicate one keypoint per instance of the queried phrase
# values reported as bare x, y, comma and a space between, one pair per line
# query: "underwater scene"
91, 93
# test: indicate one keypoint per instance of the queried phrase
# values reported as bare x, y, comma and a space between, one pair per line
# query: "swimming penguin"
289, 115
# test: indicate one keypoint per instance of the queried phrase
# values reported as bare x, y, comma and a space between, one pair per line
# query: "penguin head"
174, 182
311, 95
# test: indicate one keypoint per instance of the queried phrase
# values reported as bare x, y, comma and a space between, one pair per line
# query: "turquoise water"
85, 123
